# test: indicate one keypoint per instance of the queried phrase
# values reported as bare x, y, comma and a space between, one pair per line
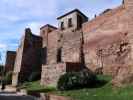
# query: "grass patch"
36, 87
103, 93
104, 77
106, 92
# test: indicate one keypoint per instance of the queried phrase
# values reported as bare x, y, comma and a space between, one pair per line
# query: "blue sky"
16, 15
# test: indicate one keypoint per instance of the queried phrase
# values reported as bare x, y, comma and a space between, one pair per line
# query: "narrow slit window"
59, 53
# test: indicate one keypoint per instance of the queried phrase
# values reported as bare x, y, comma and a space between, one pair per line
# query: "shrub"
34, 76
75, 80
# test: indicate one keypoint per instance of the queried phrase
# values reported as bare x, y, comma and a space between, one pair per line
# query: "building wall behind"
10, 61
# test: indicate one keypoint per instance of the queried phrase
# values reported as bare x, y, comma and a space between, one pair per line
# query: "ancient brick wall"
97, 22
111, 37
52, 47
10, 60
28, 57
71, 42
107, 44
51, 73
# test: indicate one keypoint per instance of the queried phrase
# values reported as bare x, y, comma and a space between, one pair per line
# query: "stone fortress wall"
103, 45
28, 59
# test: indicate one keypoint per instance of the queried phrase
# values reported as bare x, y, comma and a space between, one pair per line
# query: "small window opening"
59, 52
62, 26
70, 22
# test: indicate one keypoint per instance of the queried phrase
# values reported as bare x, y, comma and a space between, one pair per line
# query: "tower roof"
75, 10
48, 25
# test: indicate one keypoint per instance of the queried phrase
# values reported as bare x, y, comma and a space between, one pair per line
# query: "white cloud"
3, 46
35, 27
28, 8
23, 13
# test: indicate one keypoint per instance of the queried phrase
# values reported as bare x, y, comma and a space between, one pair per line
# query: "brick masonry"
63, 52
108, 40
10, 61
28, 59
51, 73
103, 43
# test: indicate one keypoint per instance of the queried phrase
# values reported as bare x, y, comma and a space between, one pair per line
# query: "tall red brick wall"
110, 35
97, 22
